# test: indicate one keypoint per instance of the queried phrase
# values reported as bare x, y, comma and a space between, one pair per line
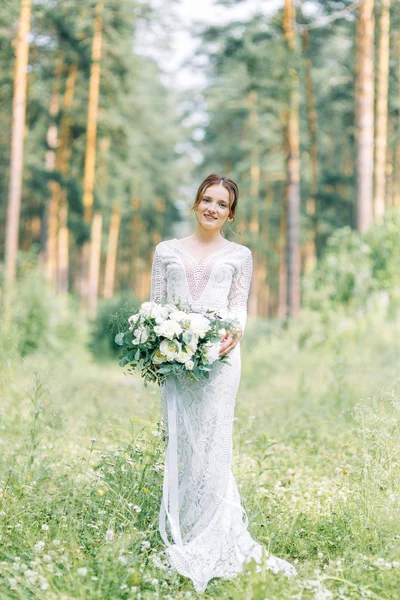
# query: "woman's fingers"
228, 344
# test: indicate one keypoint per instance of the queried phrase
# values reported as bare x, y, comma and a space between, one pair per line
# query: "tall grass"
316, 458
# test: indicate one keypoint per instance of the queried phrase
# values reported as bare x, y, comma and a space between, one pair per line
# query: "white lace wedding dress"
202, 521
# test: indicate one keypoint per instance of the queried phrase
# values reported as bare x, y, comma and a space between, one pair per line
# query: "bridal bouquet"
164, 339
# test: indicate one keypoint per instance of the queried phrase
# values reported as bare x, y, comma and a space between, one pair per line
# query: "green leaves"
119, 339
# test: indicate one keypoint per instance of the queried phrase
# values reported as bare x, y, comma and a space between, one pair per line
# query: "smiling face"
214, 207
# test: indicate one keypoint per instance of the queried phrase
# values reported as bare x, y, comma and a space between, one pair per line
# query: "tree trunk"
382, 111
90, 163
93, 105
282, 276
254, 196
292, 167
17, 140
52, 160
64, 152
309, 249
135, 246
94, 263
109, 277
365, 114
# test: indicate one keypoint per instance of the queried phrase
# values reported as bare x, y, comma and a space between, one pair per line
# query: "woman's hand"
229, 341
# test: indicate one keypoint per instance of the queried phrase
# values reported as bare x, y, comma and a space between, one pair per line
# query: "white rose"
178, 315
158, 357
148, 309
222, 331
141, 335
170, 349
189, 364
198, 325
133, 318
212, 352
193, 343
184, 356
168, 329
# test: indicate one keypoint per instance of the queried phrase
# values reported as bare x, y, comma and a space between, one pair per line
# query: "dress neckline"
211, 254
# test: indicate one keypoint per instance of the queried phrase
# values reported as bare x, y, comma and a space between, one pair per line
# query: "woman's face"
213, 208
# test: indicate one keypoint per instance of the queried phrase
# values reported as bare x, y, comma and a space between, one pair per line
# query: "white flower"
170, 349
132, 320
158, 357
45, 527
141, 335
199, 325
145, 545
212, 352
184, 356
178, 315
168, 329
82, 571
193, 343
189, 364
222, 331
39, 547
109, 537
150, 309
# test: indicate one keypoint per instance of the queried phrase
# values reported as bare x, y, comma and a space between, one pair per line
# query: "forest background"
100, 159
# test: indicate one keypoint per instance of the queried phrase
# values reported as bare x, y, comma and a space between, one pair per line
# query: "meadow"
316, 457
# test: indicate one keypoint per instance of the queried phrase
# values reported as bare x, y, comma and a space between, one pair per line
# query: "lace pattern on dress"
213, 538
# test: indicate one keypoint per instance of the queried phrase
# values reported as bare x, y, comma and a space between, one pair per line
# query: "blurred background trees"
301, 108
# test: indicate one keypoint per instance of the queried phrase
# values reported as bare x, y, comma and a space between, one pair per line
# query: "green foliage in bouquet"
111, 318
165, 339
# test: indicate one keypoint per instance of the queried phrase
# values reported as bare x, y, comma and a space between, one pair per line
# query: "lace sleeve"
239, 292
158, 290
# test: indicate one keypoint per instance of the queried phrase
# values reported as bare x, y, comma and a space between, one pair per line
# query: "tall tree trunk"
310, 249
88, 288
94, 262
17, 139
52, 164
63, 161
254, 196
109, 277
382, 110
365, 114
63, 246
292, 166
135, 232
396, 177
389, 170
282, 275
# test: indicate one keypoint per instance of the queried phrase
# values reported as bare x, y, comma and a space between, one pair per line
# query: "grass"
317, 457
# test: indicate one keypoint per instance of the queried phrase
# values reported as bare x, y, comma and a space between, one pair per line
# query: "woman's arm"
158, 289
237, 301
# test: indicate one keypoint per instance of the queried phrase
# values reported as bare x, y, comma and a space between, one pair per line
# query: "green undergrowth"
316, 459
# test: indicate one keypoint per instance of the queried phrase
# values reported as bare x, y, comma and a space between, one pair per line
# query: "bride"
202, 522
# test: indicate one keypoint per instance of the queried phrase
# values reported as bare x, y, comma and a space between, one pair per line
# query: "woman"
202, 521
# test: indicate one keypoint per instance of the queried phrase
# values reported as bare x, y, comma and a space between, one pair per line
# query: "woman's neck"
206, 237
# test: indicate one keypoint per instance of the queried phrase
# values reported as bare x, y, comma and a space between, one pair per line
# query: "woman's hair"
229, 184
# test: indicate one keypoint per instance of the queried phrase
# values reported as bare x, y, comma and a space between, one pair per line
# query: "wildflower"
100, 492
82, 571
45, 527
145, 545
38, 548
109, 537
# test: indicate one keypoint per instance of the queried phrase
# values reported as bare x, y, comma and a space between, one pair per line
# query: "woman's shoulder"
242, 250
164, 246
